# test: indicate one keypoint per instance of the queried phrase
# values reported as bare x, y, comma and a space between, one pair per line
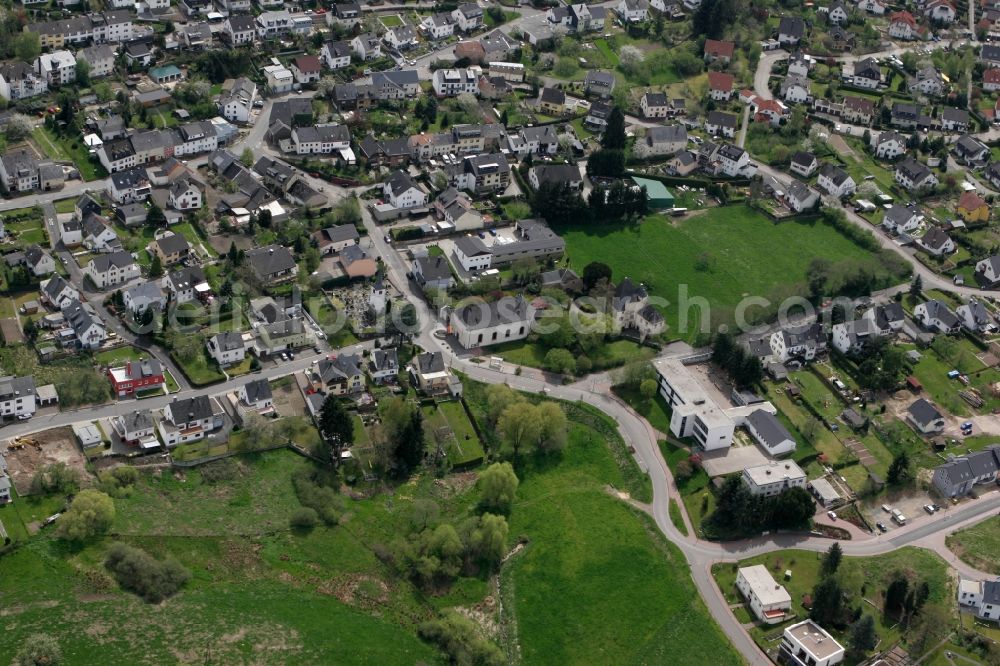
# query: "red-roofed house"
136, 376
972, 208
768, 110
991, 79
718, 50
902, 25
306, 68
720, 86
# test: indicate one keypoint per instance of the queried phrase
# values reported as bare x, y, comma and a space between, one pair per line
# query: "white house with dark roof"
401, 192
633, 11
439, 25
383, 365
769, 433
654, 105
936, 316
836, 181
336, 55
256, 394
804, 164
144, 296
975, 317
112, 269
57, 292
659, 141
367, 46
982, 596
17, 396
791, 30
720, 122
630, 309
227, 347
272, 263
959, 475
988, 271
889, 145
804, 342
936, 242
481, 324
468, 17
902, 219
190, 419
914, 176
186, 284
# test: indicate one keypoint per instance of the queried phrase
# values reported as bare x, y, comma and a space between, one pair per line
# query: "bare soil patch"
54, 446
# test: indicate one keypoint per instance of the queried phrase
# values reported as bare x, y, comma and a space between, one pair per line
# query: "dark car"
881, 527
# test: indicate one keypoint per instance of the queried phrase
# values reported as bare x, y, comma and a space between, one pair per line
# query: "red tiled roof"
970, 201
992, 75
715, 47
905, 17
720, 81
307, 63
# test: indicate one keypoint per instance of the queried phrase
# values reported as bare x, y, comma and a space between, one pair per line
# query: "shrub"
460, 639
304, 518
139, 572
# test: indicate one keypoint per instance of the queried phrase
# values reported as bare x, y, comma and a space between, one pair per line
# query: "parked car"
832, 515
881, 527
929, 508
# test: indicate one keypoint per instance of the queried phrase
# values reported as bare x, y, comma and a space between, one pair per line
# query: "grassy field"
979, 545
73, 150
592, 566
718, 255
656, 411
676, 518
861, 578
597, 583
200, 371
532, 354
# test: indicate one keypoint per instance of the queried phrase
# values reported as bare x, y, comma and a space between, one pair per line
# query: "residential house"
227, 348
975, 317
239, 29
190, 419
632, 11
991, 79
799, 197
136, 429
836, 181
954, 120
804, 164
599, 83
431, 376
876, 7
272, 263
481, 324
925, 417
401, 37
383, 365
902, 25
902, 219
927, 80
630, 310
100, 59
936, 316
437, 26
453, 82
858, 110
273, 24
940, 11
19, 170
808, 644
306, 68
398, 84
433, 273
336, 55
655, 105
719, 50
720, 122
332, 240
38, 261
401, 192
794, 89
85, 330
720, 86
914, 176
798, 342
971, 151
987, 597
791, 30
256, 395
552, 101
279, 79
184, 195
136, 376
357, 263
560, 174
17, 397
18, 80
57, 292
347, 14
171, 248
958, 476
367, 46
468, 17
58, 67
144, 296
236, 104
769, 601
186, 285
342, 374
660, 141
855, 335
321, 139
837, 13
972, 207
112, 269
283, 335
867, 74
890, 145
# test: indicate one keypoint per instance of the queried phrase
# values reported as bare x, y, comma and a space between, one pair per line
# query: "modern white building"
774, 477
768, 600
695, 413
808, 644
981, 597
17, 397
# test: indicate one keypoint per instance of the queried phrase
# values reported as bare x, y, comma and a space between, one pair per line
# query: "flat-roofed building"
768, 600
808, 644
773, 478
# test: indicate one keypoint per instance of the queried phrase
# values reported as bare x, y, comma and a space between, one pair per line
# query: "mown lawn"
722, 255
532, 354
656, 410
200, 370
860, 577
979, 545
597, 584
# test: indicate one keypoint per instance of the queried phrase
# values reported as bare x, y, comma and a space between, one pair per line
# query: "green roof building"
659, 196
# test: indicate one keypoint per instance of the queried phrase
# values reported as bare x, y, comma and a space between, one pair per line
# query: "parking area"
736, 458
910, 504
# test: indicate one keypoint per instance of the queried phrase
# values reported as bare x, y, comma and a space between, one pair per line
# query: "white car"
832, 515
